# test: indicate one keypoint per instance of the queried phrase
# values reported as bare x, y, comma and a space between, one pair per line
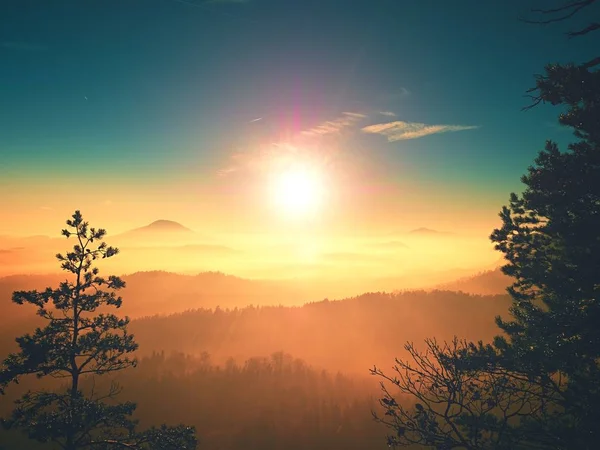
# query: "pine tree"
81, 339
550, 237
538, 384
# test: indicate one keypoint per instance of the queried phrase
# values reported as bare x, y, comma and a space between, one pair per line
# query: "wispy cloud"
306, 144
399, 130
320, 143
335, 126
261, 159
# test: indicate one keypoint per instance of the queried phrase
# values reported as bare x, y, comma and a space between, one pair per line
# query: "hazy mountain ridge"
424, 231
171, 246
161, 226
163, 292
489, 282
373, 325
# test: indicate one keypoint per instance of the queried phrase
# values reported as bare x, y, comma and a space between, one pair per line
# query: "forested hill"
230, 372
350, 334
489, 282
159, 292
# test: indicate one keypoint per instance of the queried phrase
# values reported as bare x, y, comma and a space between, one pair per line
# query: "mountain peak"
163, 225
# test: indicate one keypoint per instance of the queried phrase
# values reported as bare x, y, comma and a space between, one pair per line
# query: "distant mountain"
159, 292
161, 226
428, 232
13, 242
490, 282
9, 284
158, 232
371, 325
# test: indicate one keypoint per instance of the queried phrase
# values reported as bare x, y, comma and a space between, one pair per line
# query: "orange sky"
242, 205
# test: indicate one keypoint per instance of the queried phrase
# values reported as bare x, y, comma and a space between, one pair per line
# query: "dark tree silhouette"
564, 12
568, 84
538, 384
81, 341
446, 404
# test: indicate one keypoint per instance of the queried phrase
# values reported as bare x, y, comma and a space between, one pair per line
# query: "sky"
187, 110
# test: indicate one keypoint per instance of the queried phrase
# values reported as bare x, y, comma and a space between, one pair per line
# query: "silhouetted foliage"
572, 85
538, 384
201, 367
271, 402
446, 404
78, 341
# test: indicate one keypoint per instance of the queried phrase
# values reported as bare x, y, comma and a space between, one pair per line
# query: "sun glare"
298, 191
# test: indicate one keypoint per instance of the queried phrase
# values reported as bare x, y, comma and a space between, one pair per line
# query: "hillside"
375, 326
490, 282
205, 359
158, 292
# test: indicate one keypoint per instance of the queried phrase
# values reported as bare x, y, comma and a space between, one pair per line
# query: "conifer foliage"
82, 339
538, 384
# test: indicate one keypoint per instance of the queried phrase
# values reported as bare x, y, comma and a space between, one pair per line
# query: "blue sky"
164, 90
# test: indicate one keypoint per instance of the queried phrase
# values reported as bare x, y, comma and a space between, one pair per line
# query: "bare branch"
570, 9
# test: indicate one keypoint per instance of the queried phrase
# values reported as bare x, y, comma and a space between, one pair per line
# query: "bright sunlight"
298, 191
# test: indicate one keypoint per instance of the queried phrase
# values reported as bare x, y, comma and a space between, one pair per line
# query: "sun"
298, 191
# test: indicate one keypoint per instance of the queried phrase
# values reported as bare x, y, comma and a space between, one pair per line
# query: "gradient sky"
137, 110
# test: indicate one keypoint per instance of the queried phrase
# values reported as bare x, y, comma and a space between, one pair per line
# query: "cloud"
23, 46
306, 144
311, 143
335, 126
276, 154
399, 130
252, 159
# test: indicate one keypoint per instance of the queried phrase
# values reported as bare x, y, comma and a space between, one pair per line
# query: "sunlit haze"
303, 205
298, 191
288, 151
